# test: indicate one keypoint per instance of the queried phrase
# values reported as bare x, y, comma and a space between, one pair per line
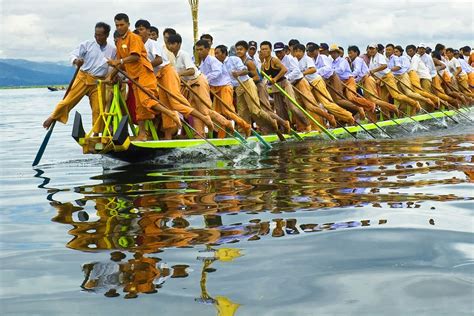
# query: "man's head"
265, 49
398, 51
208, 38
353, 51
411, 50
324, 49
312, 49
466, 50
449, 53
202, 49
221, 52
143, 28
380, 48
252, 48
440, 48
421, 49
389, 50
292, 43
334, 51
122, 23
174, 43
241, 48
286, 49
167, 33
279, 50
298, 51
372, 50
154, 34
102, 31
457, 54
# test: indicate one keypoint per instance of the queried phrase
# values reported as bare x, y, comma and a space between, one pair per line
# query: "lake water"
366, 227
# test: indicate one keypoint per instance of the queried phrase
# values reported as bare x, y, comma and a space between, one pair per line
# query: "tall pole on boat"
194, 4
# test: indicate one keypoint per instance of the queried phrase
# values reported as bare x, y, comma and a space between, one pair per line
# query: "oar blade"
42, 148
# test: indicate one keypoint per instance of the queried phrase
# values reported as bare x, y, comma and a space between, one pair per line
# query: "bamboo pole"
194, 4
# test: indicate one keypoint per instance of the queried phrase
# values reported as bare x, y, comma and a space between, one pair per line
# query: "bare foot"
287, 127
247, 129
209, 123
48, 122
332, 120
361, 113
229, 126
274, 124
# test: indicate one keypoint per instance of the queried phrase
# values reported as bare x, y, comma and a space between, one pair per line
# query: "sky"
48, 30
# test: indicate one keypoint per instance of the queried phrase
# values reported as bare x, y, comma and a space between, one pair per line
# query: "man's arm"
283, 69
253, 69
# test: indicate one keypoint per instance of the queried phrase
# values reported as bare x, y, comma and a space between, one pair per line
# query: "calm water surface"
361, 227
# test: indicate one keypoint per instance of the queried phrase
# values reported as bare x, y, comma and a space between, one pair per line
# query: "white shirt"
293, 71
419, 66
234, 63
256, 60
213, 69
170, 56
428, 61
465, 66
183, 62
95, 57
377, 61
453, 64
306, 63
153, 50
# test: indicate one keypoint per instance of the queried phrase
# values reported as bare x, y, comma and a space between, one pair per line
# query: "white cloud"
50, 29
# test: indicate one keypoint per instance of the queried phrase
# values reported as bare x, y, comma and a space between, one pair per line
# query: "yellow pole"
194, 13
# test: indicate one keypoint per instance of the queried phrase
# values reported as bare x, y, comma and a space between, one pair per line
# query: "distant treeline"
20, 72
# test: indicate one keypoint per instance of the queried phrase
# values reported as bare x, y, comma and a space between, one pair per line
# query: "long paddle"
279, 134
181, 119
292, 100
357, 93
238, 136
422, 110
254, 132
50, 130
311, 101
446, 83
412, 90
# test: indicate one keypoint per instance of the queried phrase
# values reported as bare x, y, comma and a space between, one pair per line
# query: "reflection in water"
139, 211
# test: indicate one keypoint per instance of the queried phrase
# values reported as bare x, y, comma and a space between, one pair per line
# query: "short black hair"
154, 29
121, 17
143, 23
466, 49
104, 26
450, 50
175, 38
244, 44
354, 48
436, 54
223, 49
299, 47
411, 46
169, 31
439, 47
399, 48
207, 36
293, 42
266, 43
380, 47
203, 43
390, 45
311, 46
341, 48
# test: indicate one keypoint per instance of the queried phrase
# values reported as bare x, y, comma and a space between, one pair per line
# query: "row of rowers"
168, 83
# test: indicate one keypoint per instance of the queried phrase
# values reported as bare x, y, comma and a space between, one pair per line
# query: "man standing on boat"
220, 84
91, 56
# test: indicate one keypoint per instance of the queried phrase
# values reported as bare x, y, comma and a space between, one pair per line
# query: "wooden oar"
279, 134
358, 124
357, 93
240, 138
377, 97
254, 132
446, 103
42, 148
412, 90
311, 101
166, 110
292, 100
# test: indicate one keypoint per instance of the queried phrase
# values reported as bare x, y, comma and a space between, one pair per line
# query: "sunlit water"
366, 227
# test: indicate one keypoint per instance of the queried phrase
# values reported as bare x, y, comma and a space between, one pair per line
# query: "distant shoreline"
34, 86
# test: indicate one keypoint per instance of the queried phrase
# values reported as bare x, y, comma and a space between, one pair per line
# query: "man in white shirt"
455, 68
189, 73
219, 83
379, 69
166, 34
91, 56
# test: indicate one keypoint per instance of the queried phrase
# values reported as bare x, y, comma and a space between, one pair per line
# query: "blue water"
365, 227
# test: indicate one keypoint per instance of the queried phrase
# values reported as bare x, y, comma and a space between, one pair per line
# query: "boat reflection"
137, 212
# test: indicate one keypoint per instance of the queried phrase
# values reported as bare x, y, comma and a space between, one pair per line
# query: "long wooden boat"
121, 146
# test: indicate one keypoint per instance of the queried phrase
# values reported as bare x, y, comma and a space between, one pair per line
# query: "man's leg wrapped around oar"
350, 93
404, 86
306, 98
369, 87
322, 95
264, 98
335, 88
436, 88
226, 93
416, 84
285, 105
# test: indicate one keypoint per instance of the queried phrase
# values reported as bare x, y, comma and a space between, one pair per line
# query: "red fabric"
131, 105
